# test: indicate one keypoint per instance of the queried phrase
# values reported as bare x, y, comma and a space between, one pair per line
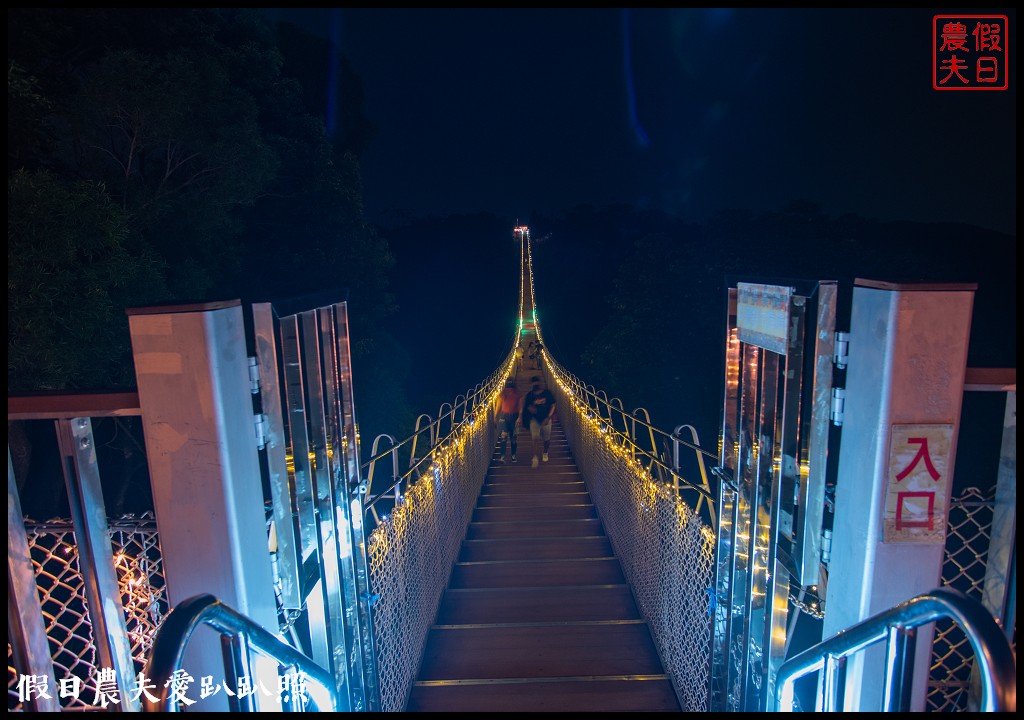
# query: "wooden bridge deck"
537, 615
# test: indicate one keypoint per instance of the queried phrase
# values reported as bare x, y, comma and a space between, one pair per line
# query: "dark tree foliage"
71, 268
165, 156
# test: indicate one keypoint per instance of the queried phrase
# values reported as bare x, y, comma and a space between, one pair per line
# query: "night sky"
689, 111
532, 112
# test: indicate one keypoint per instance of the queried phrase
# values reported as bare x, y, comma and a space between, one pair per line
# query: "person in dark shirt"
538, 411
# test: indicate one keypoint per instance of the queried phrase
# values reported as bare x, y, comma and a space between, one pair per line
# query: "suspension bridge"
626, 569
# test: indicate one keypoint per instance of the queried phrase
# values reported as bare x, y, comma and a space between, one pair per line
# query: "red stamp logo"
969, 52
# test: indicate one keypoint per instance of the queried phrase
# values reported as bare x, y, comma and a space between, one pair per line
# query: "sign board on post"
762, 315
917, 484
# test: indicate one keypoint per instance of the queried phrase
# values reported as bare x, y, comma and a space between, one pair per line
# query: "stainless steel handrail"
237, 633
995, 656
455, 414
606, 409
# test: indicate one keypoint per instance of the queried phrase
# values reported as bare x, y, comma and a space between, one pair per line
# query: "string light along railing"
418, 515
459, 416
659, 453
649, 511
481, 398
621, 427
418, 519
419, 527
659, 522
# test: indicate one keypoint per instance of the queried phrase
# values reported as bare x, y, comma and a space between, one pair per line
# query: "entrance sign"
917, 484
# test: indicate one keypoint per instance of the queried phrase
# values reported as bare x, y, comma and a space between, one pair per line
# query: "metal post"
284, 494
905, 381
999, 590
95, 557
811, 505
899, 669
999, 572
363, 635
235, 649
191, 365
834, 673
333, 648
25, 629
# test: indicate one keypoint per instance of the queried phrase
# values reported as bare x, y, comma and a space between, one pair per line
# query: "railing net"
664, 547
412, 551
967, 544
65, 610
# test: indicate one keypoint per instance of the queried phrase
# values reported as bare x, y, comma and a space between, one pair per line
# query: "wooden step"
546, 483
536, 548
487, 500
537, 616
596, 694
536, 573
533, 529
468, 652
543, 512
474, 606
522, 468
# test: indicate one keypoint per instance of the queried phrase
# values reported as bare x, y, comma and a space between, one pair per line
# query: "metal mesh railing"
140, 577
665, 549
967, 544
137, 559
412, 551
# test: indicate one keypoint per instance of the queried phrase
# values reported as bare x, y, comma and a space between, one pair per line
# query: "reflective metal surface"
772, 425
318, 503
242, 638
990, 645
88, 512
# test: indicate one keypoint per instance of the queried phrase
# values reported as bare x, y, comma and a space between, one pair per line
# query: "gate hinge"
262, 430
254, 376
838, 405
842, 350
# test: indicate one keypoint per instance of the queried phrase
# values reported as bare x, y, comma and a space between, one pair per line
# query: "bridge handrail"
372, 466
606, 409
897, 626
465, 404
240, 636
646, 422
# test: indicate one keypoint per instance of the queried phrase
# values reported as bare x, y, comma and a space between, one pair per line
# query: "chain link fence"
967, 544
665, 548
137, 560
412, 551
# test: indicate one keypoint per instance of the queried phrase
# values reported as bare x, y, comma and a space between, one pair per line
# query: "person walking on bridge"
538, 410
508, 414
531, 353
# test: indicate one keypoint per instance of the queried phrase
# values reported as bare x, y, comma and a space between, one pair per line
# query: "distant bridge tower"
528, 312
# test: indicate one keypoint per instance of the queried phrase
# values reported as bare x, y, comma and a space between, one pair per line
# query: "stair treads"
533, 651
536, 573
534, 528
622, 694
532, 499
523, 467
519, 605
581, 511
568, 482
535, 548
537, 615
